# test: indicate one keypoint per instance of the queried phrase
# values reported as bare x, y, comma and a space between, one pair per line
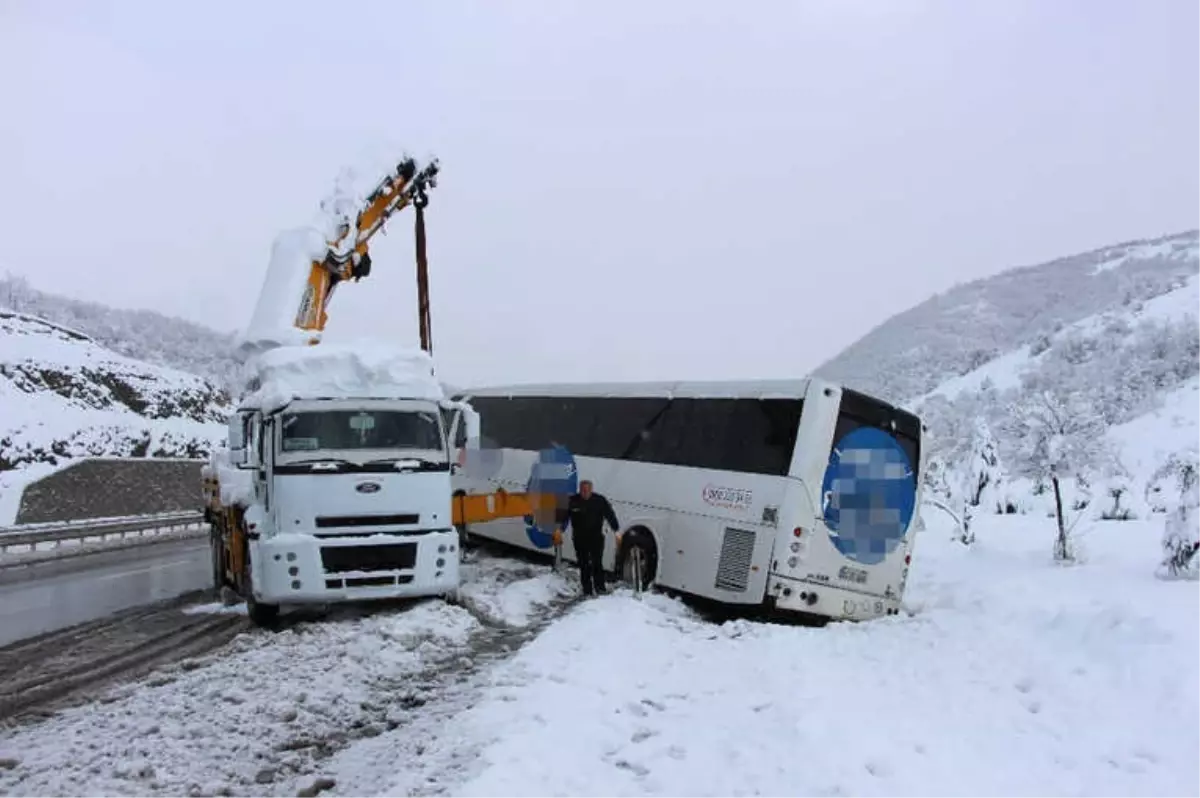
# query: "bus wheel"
639, 559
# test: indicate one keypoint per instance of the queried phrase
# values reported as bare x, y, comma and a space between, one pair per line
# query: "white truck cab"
344, 498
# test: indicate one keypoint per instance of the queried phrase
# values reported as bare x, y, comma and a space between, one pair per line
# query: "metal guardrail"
34, 537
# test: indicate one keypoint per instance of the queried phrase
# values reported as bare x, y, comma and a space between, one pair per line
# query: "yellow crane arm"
480, 508
350, 259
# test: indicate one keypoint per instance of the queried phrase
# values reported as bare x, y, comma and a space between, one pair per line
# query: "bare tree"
1057, 436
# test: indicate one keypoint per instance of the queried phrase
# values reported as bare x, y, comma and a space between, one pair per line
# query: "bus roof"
721, 389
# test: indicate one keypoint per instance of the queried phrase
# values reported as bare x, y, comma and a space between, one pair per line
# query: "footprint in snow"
641, 735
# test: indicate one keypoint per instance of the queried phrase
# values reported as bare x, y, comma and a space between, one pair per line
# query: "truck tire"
261, 615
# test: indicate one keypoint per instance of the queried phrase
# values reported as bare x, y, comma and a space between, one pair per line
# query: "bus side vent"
737, 551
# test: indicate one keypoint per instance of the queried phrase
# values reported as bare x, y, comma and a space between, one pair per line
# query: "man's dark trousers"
589, 551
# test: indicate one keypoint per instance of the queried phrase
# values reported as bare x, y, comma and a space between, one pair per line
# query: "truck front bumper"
304, 569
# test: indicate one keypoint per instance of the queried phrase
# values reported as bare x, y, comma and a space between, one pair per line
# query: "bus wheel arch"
638, 548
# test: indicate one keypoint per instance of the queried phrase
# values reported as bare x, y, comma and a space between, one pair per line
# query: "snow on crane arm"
307, 263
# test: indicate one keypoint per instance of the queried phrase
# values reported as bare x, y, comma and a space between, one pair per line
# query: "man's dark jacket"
587, 516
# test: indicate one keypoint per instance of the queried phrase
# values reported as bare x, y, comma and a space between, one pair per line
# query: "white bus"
796, 496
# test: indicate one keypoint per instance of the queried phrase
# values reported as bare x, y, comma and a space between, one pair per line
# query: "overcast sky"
630, 190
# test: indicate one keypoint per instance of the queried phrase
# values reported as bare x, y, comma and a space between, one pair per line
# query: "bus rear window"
859, 410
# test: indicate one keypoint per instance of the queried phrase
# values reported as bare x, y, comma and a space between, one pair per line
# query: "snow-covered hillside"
65, 396
956, 332
1108, 341
140, 334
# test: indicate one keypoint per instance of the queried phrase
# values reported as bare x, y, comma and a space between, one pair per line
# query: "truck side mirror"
237, 440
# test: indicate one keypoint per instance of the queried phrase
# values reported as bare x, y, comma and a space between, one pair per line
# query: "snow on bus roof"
716, 389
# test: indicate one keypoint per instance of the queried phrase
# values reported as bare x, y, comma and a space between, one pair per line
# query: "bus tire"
638, 559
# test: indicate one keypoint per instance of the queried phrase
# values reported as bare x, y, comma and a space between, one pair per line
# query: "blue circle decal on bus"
870, 493
554, 473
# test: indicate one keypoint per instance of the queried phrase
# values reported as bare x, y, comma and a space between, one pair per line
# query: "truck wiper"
323, 463
411, 463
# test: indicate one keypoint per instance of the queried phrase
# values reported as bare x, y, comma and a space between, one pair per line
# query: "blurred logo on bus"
871, 493
554, 476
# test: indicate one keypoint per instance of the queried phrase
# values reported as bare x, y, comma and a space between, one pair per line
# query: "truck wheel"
262, 615
217, 553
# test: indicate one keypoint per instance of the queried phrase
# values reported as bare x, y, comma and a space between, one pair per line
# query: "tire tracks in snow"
433, 700
40, 675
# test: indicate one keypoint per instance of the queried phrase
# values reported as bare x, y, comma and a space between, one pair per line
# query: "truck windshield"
360, 429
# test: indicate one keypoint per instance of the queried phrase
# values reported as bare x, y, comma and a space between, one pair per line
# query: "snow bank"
1015, 677
361, 371
283, 293
511, 594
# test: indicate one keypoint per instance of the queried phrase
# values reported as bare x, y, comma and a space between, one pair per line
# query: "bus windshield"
360, 429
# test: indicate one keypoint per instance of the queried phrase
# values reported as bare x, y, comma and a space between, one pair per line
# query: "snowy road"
263, 715
60, 593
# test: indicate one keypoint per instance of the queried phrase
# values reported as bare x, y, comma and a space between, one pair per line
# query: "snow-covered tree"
1181, 532
1057, 436
979, 483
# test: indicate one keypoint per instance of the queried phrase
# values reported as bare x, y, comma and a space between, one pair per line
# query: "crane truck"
335, 482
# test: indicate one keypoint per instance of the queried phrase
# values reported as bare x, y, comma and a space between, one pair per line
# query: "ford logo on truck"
368, 487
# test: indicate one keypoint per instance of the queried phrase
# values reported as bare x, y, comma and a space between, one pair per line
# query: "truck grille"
389, 557
737, 551
327, 521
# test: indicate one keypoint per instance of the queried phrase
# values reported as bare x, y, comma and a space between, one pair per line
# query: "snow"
1147, 441
527, 592
12, 487
236, 484
1174, 250
64, 396
1004, 372
1013, 676
282, 294
1009, 675
271, 705
364, 370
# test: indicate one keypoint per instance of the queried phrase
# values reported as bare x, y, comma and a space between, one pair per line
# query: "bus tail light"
798, 531
907, 559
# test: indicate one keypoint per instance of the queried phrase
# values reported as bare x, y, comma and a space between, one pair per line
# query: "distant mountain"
66, 396
956, 332
1112, 333
139, 334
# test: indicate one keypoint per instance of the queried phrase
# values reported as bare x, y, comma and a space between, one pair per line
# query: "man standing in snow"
586, 513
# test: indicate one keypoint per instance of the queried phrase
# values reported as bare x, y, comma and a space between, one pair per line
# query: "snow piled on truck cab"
365, 370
